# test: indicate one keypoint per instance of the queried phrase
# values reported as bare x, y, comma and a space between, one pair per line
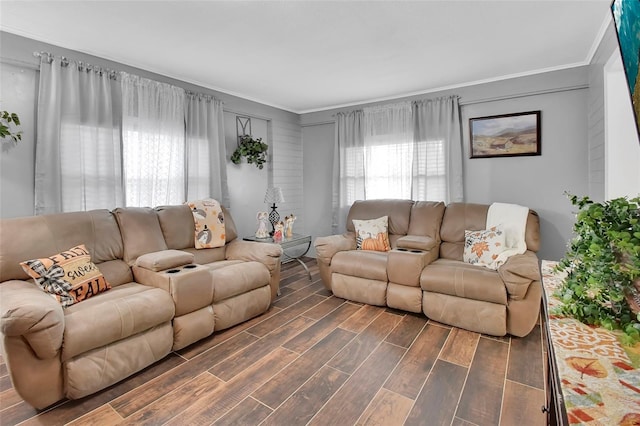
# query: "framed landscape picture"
506, 135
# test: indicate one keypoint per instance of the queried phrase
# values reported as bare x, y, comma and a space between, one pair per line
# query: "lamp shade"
273, 196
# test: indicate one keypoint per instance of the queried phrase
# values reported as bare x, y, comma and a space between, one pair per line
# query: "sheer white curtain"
206, 150
437, 160
153, 138
78, 162
388, 151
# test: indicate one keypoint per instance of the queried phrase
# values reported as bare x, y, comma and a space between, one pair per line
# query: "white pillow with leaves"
482, 248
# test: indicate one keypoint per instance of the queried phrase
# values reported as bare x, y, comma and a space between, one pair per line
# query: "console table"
592, 378
294, 241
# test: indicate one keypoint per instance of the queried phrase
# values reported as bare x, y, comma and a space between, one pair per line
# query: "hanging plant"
253, 149
603, 266
6, 118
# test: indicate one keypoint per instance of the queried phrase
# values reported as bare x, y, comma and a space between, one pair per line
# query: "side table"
286, 243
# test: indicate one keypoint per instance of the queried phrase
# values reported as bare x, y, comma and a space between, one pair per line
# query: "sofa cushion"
361, 263
461, 279
460, 217
426, 218
239, 278
69, 276
177, 226
363, 290
372, 234
481, 248
119, 313
53, 233
399, 212
141, 232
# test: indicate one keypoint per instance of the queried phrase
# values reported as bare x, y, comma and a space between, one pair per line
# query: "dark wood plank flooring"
316, 359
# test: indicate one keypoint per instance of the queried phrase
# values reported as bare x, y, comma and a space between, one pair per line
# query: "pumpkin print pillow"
372, 234
70, 276
483, 247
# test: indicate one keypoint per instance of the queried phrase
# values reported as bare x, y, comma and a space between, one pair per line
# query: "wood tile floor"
317, 359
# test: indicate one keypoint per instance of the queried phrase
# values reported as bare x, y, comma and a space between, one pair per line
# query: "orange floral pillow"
372, 234
70, 276
483, 247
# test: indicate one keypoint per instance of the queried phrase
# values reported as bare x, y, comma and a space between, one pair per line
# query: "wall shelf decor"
243, 126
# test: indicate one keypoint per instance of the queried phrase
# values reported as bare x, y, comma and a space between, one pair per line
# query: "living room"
574, 98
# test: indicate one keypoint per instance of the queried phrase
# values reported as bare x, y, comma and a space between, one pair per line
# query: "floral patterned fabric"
483, 247
372, 234
600, 377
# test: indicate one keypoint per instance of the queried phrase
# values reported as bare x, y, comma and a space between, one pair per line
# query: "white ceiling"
304, 56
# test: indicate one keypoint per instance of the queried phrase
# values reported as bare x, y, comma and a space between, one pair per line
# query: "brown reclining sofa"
165, 295
425, 272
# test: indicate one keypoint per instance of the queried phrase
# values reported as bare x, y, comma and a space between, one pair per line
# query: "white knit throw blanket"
513, 220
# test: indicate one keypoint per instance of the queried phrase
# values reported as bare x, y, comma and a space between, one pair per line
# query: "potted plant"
603, 266
6, 118
253, 149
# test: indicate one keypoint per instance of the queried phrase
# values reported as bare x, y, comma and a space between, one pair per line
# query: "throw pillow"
209, 223
70, 276
372, 234
483, 247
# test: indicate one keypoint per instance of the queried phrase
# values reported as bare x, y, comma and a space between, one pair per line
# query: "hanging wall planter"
253, 149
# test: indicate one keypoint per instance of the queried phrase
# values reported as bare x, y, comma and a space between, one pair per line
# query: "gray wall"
318, 141
280, 129
537, 182
596, 113
17, 160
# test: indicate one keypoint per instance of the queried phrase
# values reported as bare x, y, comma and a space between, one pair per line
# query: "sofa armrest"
518, 272
327, 247
29, 312
266, 253
416, 242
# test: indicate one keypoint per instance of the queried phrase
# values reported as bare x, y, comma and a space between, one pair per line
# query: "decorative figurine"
279, 232
262, 231
288, 225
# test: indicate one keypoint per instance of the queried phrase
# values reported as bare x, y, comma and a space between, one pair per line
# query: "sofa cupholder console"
190, 286
404, 267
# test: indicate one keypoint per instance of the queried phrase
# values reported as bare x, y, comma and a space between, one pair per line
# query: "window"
405, 170
153, 169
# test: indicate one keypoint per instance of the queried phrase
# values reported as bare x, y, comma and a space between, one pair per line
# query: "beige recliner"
164, 296
425, 272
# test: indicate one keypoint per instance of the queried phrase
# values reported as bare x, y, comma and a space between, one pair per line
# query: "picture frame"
506, 135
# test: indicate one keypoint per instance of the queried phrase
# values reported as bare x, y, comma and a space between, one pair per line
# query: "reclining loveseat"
424, 270
164, 295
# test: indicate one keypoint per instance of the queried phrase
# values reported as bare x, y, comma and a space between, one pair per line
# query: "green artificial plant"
6, 118
253, 149
602, 263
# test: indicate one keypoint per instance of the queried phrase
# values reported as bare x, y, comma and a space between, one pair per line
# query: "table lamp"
273, 196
